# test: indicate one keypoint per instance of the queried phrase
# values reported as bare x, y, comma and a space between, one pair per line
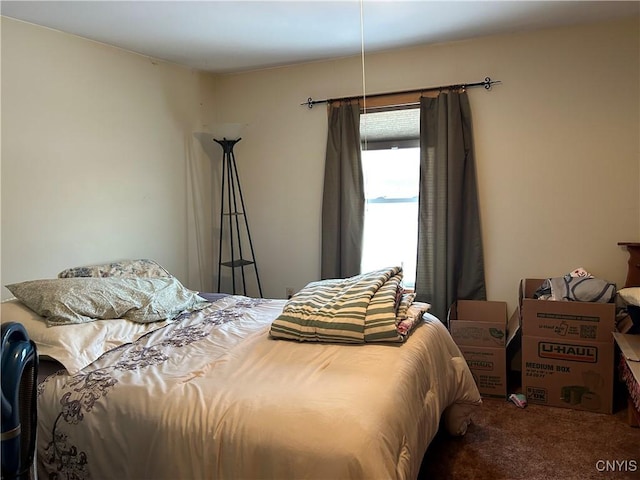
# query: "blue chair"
19, 381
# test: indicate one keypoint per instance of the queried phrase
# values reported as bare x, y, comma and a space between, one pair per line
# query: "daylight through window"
391, 167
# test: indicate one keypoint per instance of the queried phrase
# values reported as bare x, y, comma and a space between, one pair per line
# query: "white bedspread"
212, 396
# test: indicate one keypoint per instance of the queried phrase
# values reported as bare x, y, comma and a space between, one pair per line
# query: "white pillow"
631, 295
75, 345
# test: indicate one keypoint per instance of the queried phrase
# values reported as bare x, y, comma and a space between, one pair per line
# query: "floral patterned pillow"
124, 268
62, 301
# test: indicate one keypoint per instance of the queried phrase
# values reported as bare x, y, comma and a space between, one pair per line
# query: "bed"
213, 394
629, 299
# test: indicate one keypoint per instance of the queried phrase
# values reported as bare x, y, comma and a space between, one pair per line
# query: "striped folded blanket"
365, 308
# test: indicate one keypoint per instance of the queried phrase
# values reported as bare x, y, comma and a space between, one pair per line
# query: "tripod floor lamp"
234, 225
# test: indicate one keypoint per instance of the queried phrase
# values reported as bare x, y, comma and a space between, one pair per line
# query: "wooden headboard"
633, 270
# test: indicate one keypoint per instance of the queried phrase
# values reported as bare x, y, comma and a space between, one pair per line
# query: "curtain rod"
487, 84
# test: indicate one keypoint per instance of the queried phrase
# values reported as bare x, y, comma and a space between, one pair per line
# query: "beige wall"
557, 148
93, 154
94, 140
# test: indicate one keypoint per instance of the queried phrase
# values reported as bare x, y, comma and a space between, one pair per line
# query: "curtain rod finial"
488, 83
309, 103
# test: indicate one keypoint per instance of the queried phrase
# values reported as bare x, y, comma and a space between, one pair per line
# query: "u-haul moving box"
481, 331
567, 351
571, 374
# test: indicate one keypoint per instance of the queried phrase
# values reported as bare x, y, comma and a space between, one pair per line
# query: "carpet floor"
536, 443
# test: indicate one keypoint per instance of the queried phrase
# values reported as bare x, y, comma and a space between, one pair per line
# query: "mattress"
212, 395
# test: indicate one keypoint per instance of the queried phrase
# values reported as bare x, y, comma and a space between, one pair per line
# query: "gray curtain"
450, 263
343, 197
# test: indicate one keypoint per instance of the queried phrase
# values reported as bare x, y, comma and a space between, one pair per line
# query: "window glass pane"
391, 215
391, 173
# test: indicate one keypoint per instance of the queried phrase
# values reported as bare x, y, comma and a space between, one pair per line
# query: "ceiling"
240, 35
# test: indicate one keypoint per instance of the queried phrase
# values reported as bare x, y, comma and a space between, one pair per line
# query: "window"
391, 169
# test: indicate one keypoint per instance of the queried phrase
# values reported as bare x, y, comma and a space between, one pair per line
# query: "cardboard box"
478, 323
483, 334
488, 366
571, 374
587, 321
567, 351
624, 324
514, 346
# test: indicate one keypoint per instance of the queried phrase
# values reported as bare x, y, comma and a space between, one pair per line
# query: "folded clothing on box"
577, 289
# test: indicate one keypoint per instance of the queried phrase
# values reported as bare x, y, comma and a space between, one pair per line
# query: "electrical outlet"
289, 292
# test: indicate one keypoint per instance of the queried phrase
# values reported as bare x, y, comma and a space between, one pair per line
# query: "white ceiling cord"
364, 76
